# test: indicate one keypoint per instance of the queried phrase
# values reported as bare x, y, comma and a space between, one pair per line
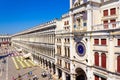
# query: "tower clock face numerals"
80, 49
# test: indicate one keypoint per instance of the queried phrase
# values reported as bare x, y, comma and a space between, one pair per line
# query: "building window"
75, 26
105, 12
69, 66
118, 42
113, 11
96, 60
67, 40
105, 24
99, 78
58, 40
67, 22
103, 41
84, 24
113, 22
103, 60
65, 64
96, 41
60, 62
96, 77
67, 52
57, 61
118, 64
59, 50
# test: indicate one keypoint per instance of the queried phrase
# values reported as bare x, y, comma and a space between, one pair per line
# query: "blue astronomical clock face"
80, 48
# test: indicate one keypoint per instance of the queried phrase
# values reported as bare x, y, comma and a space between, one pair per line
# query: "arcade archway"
80, 74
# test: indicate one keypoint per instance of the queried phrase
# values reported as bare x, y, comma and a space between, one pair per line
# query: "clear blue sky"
18, 15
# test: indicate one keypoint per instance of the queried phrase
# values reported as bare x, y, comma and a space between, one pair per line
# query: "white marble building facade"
83, 45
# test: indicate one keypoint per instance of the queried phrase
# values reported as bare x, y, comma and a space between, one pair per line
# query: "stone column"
89, 51
56, 74
89, 18
89, 73
63, 75
73, 77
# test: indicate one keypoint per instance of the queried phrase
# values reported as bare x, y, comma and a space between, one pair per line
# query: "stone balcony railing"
62, 31
109, 26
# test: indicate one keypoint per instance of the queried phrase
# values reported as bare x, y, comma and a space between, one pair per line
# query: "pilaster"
111, 56
89, 17
73, 77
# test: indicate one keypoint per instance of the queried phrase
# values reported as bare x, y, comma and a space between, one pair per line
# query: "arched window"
96, 60
118, 64
103, 60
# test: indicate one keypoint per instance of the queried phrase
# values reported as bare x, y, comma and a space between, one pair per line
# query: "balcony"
109, 26
109, 17
62, 31
100, 47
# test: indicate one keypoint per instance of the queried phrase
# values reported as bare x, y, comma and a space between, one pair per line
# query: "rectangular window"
65, 52
103, 41
67, 22
65, 64
105, 24
69, 66
57, 61
59, 50
84, 24
105, 12
118, 42
60, 62
96, 41
113, 11
69, 52
113, 22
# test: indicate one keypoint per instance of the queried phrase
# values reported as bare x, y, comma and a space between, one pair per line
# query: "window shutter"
103, 60
103, 41
96, 41
118, 42
113, 22
113, 11
105, 24
118, 64
105, 12
96, 59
